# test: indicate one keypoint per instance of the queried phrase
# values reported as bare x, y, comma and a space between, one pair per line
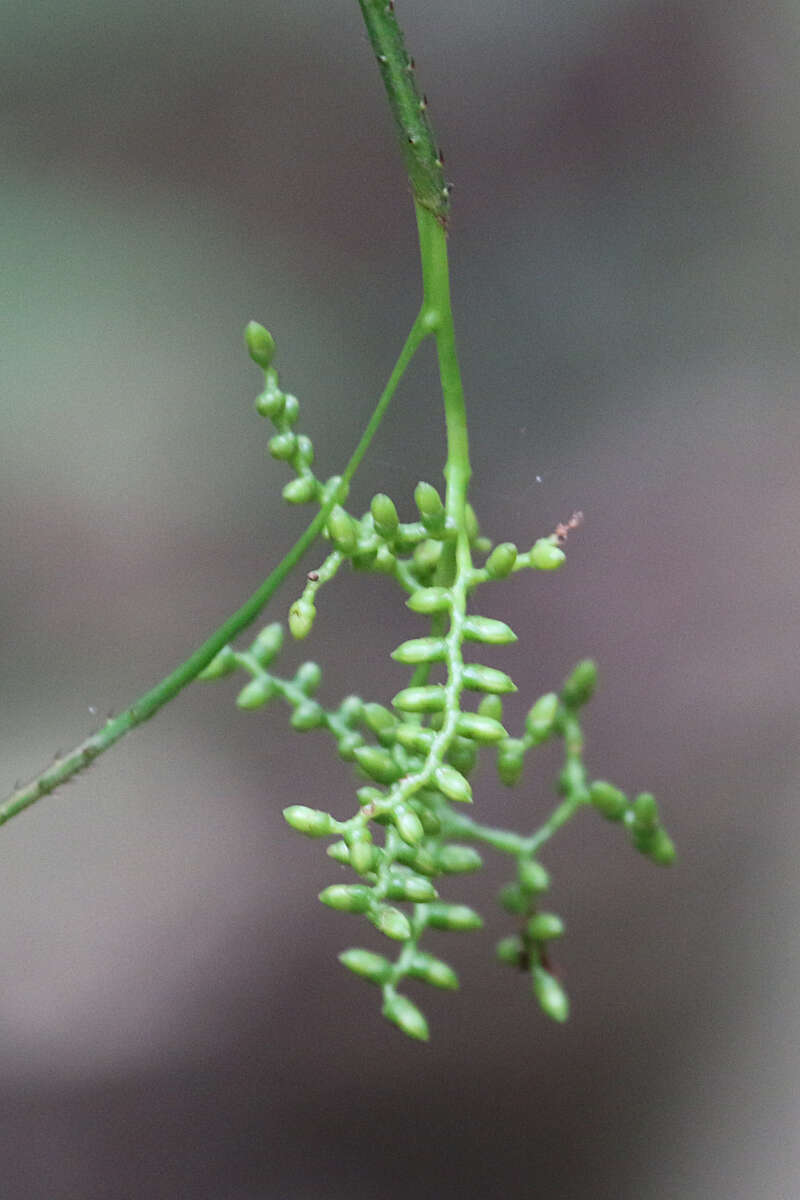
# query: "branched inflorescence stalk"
413, 759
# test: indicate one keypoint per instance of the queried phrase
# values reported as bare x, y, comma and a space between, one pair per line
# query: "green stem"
66, 767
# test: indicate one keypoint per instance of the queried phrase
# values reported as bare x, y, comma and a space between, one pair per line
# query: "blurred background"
624, 242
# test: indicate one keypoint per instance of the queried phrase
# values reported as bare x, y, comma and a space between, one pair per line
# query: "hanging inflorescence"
415, 758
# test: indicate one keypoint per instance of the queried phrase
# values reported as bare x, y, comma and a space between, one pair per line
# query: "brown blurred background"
173, 1020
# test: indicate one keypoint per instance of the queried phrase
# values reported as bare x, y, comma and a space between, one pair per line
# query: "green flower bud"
479, 678
429, 600
267, 644
256, 693
411, 887
308, 677
579, 686
420, 650
463, 754
301, 618
645, 813
491, 706
304, 454
488, 630
282, 446
408, 825
343, 530
457, 917
500, 562
221, 664
513, 899
452, 784
430, 698
364, 556
271, 401
406, 1016
608, 800
377, 763
339, 852
552, 998
540, 721
510, 760
348, 744
363, 854
430, 822
301, 490
480, 728
384, 515
385, 561
351, 710
291, 409
373, 967
380, 720
393, 924
347, 897
458, 860
429, 503
662, 850
510, 950
310, 821
308, 715
544, 926
260, 344
533, 877
546, 555
433, 970
415, 738
426, 557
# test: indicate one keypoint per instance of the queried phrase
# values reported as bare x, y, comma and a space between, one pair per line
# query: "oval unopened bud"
541, 718
452, 784
256, 693
533, 877
377, 763
463, 754
645, 813
457, 917
267, 645
408, 825
579, 686
429, 600
282, 446
608, 800
347, 897
491, 706
429, 503
304, 454
412, 888
553, 1000
347, 745
479, 678
513, 898
510, 760
339, 852
510, 950
308, 715
301, 619
488, 630
308, 677
221, 664
546, 555
406, 1016
302, 490
384, 515
480, 728
380, 720
291, 409
430, 698
433, 970
458, 860
544, 926
662, 851
500, 562
393, 924
342, 530
260, 344
271, 401
373, 967
310, 821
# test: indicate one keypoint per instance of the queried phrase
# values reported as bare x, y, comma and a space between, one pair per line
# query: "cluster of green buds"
414, 757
